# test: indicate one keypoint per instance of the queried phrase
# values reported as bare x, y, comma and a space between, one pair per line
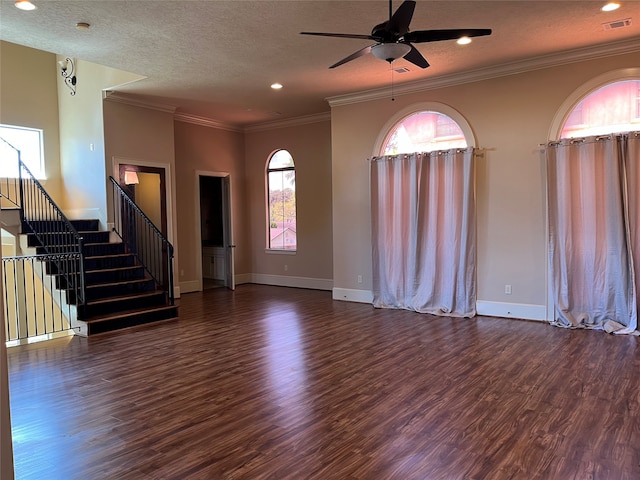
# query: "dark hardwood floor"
278, 383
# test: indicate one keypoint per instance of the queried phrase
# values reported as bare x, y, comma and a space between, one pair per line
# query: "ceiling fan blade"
415, 57
422, 36
339, 35
399, 22
353, 56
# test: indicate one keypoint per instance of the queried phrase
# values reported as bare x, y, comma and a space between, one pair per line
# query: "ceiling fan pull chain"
393, 99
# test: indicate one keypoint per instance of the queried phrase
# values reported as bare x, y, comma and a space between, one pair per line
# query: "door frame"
169, 199
227, 215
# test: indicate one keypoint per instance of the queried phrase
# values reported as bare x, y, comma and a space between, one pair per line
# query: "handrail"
143, 238
42, 217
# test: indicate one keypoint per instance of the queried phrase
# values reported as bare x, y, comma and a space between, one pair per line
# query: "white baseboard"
190, 286
286, 281
522, 311
352, 295
242, 278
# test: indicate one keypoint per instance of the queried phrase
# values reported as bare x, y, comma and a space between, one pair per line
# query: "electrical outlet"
359, 278
507, 289
286, 267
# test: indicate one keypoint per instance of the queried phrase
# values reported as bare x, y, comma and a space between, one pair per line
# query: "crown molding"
289, 122
205, 122
512, 68
137, 102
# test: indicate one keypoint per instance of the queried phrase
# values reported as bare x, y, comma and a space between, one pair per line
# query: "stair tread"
121, 282
115, 269
125, 297
111, 255
129, 313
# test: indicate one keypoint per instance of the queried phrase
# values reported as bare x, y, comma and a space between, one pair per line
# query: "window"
424, 131
609, 109
29, 142
281, 188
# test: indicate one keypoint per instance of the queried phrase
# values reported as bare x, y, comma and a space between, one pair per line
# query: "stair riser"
98, 263
56, 238
57, 226
94, 263
99, 292
97, 278
122, 305
131, 321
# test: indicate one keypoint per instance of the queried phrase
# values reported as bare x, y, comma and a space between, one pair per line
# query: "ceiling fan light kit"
390, 51
394, 39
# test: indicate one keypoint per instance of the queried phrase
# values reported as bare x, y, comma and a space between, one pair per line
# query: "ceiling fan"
394, 39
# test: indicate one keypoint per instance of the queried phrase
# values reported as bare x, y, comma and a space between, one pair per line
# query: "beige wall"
510, 117
29, 98
201, 148
310, 147
142, 136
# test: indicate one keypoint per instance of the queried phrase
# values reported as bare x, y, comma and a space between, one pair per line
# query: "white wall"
510, 117
82, 145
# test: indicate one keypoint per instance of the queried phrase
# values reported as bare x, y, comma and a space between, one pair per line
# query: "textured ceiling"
216, 59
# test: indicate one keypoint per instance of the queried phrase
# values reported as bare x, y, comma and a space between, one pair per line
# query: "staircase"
119, 292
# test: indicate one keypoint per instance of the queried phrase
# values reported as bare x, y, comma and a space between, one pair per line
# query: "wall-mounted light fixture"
68, 71
131, 178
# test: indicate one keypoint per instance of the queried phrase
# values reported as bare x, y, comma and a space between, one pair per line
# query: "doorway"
147, 188
216, 246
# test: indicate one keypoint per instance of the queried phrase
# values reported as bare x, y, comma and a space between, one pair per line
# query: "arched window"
281, 190
424, 131
609, 109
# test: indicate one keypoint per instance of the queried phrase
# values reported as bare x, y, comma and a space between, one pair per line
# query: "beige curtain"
590, 251
424, 232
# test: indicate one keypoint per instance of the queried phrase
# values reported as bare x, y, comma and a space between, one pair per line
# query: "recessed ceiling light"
610, 7
25, 5
463, 41
276, 86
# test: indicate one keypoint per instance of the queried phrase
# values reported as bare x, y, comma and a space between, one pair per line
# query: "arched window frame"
582, 92
436, 107
288, 229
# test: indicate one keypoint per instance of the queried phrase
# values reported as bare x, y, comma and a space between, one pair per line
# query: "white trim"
190, 286
632, 73
422, 107
513, 68
287, 281
290, 122
521, 311
352, 295
118, 97
242, 278
205, 122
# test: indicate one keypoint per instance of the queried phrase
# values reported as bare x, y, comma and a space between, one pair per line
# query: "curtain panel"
424, 232
593, 223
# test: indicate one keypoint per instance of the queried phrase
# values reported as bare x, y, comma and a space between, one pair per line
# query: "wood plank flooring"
278, 383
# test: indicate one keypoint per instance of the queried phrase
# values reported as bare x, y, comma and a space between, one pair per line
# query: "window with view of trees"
281, 187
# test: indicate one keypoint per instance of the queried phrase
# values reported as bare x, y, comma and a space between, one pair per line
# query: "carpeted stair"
119, 291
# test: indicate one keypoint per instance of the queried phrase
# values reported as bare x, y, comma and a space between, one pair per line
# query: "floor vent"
401, 70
